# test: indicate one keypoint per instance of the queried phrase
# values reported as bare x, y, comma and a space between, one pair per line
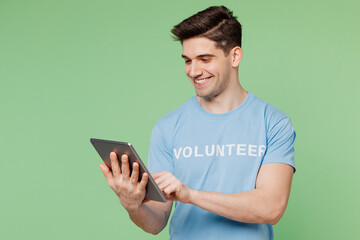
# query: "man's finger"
162, 178
168, 190
165, 183
109, 177
125, 170
115, 164
135, 173
158, 174
144, 181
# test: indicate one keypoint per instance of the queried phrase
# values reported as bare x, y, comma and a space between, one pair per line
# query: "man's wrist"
193, 195
135, 211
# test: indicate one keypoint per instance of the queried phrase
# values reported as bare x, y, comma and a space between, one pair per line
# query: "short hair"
216, 23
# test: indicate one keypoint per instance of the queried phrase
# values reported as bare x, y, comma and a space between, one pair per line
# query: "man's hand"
172, 187
125, 184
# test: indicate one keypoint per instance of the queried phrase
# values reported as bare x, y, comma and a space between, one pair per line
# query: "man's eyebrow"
199, 56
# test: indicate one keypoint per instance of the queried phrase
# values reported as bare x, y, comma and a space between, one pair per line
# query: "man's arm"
265, 204
151, 216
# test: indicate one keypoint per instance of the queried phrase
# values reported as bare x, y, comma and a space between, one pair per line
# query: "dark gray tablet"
105, 147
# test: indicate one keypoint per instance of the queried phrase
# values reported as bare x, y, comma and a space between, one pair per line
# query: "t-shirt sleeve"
280, 143
160, 155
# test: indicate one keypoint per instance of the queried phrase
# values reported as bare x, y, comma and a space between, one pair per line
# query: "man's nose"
195, 70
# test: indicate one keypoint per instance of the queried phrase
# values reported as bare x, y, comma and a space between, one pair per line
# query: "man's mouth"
201, 81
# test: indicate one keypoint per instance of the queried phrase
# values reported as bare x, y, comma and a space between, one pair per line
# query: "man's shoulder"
271, 116
268, 110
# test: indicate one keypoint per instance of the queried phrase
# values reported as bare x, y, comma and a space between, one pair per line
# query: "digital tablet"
105, 147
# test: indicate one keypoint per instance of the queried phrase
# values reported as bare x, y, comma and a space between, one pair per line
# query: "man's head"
215, 23
211, 41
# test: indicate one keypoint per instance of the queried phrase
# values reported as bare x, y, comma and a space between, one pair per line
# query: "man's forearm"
252, 207
264, 204
149, 218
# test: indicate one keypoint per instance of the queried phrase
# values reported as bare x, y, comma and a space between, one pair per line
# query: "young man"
225, 157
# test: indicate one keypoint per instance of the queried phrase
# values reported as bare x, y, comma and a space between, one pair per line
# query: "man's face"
206, 66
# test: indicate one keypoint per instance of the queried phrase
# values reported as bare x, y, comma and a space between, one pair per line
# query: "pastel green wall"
72, 70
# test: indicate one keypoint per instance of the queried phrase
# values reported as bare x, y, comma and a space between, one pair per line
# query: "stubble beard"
216, 91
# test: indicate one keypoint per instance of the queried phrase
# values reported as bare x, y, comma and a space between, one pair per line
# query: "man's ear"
236, 55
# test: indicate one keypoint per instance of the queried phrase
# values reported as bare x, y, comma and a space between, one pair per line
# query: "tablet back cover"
105, 147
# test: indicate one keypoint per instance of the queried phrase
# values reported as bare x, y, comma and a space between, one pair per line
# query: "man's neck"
226, 101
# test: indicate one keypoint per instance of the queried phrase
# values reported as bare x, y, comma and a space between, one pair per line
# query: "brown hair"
215, 23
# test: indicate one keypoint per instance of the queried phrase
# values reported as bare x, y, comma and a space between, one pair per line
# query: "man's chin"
205, 96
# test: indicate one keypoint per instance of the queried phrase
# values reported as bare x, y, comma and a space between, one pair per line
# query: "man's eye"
187, 61
205, 60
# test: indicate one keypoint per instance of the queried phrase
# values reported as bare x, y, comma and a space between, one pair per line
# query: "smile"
201, 81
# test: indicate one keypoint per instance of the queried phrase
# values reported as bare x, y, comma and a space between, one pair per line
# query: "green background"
72, 70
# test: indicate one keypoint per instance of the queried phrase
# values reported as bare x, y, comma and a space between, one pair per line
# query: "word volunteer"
220, 150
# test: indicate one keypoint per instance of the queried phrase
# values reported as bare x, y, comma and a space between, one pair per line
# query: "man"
225, 157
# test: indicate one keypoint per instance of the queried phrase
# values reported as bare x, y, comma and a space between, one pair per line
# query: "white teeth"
201, 80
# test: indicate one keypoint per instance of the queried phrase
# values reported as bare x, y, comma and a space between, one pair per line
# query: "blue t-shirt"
221, 153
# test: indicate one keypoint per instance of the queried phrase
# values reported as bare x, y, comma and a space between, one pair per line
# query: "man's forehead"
199, 46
